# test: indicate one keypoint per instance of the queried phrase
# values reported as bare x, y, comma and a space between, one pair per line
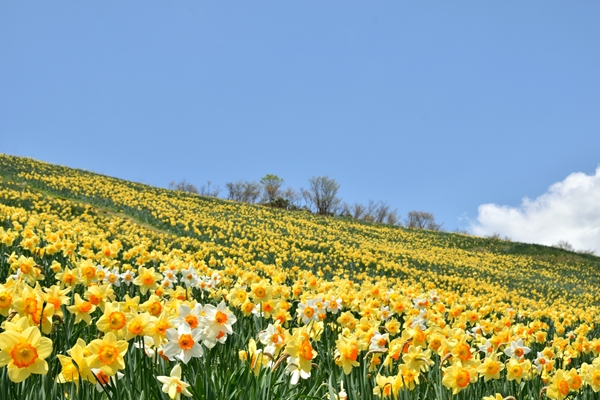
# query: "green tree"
271, 185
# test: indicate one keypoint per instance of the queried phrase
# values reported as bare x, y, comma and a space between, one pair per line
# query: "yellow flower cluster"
176, 274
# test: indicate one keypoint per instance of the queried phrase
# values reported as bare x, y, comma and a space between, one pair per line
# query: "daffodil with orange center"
591, 374
559, 386
407, 377
218, 320
87, 271
575, 380
24, 353
99, 295
139, 325
191, 316
173, 385
418, 336
6, 298
57, 297
346, 353
301, 353
183, 343
463, 351
147, 279
281, 315
490, 368
237, 296
153, 305
69, 278
260, 291
273, 338
435, 341
387, 386
418, 359
378, 341
113, 320
26, 268
30, 301
158, 330
392, 326
107, 354
518, 370
457, 377
82, 310
264, 309
517, 350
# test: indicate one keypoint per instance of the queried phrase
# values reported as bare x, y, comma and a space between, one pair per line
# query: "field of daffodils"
116, 290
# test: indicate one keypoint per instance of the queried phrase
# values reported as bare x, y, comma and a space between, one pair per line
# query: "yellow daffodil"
147, 279
24, 353
457, 378
82, 310
107, 354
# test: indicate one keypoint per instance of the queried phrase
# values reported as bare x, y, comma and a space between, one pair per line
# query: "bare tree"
369, 213
205, 190
381, 212
343, 210
322, 194
563, 244
378, 212
422, 220
357, 210
251, 192
246, 192
292, 198
183, 186
234, 190
589, 252
495, 236
393, 218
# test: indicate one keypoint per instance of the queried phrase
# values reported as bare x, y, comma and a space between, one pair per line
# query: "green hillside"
315, 242
67, 233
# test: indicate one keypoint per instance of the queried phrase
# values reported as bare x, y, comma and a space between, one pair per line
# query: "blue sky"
436, 106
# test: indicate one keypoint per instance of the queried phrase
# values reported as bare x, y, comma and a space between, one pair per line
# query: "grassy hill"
64, 220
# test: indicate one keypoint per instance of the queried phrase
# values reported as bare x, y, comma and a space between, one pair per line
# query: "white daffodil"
517, 350
295, 371
189, 276
218, 320
272, 339
189, 315
307, 312
173, 385
184, 343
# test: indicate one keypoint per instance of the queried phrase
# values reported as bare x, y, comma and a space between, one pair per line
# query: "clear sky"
460, 108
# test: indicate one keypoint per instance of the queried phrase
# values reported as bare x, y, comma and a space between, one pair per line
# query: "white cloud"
569, 210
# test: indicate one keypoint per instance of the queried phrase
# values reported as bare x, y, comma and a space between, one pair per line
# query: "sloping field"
113, 289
